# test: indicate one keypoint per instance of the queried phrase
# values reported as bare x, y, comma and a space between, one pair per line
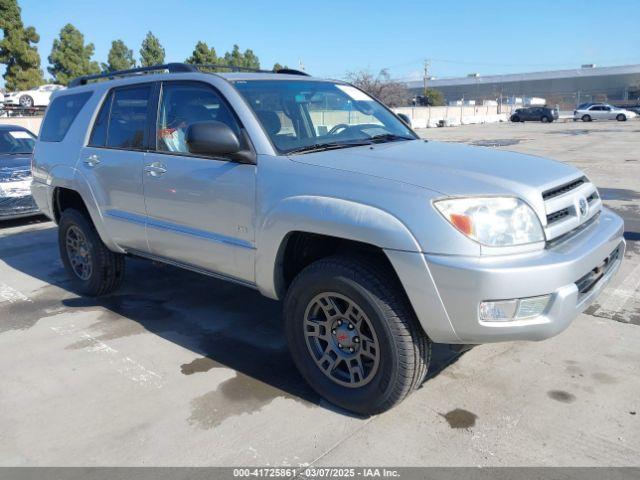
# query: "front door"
200, 209
112, 163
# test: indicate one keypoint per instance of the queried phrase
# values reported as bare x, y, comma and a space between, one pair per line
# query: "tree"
202, 54
17, 49
277, 66
151, 52
70, 57
120, 57
434, 97
236, 58
390, 92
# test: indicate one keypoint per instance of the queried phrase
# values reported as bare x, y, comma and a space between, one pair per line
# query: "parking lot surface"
182, 369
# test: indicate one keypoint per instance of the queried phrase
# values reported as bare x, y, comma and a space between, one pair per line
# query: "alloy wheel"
78, 253
341, 340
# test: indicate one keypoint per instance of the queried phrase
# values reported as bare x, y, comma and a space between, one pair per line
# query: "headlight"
493, 221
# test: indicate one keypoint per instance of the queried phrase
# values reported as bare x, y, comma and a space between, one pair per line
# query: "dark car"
16, 147
535, 114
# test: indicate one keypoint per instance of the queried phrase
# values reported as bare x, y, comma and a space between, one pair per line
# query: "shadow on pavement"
223, 324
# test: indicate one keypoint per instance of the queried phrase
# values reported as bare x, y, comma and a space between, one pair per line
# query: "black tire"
404, 348
26, 101
515, 119
545, 119
621, 117
107, 267
586, 118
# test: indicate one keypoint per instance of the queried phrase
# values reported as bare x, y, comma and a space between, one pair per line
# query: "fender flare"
324, 216
65, 176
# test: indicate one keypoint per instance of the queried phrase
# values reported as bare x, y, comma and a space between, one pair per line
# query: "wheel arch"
328, 224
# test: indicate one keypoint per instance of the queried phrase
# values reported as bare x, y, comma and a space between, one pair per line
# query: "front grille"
562, 189
563, 205
556, 216
586, 283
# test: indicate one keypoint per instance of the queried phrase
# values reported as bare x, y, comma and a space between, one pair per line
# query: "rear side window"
122, 119
60, 115
128, 119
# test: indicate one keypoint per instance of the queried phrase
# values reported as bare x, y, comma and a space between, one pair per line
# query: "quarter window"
185, 103
60, 115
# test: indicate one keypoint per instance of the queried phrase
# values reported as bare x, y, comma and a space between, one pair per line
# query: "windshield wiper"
388, 137
319, 147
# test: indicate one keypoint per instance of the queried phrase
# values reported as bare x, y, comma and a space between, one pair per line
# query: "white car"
602, 111
36, 97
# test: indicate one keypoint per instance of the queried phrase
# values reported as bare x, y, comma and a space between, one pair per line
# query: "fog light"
515, 309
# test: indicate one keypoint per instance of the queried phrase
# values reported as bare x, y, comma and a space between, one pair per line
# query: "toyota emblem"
583, 206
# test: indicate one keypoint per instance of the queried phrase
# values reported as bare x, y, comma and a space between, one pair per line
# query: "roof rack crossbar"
237, 68
170, 67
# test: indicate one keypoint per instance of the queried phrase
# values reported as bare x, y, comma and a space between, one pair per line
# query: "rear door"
113, 159
200, 209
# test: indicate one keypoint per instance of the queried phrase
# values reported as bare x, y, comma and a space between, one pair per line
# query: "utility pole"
426, 74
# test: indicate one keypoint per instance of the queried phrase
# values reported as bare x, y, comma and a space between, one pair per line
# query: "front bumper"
461, 283
17, 207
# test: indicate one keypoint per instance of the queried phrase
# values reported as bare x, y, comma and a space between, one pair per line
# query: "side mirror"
212, 138
404, 118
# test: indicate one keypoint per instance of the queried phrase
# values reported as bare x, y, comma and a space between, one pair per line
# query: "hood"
447, 168
11, 163
450, 169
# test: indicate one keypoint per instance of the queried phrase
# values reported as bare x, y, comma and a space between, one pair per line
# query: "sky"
332, 38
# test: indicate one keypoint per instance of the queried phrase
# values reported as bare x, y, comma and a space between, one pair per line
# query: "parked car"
535, 114
602, 111
36, 97
16, 147
378, 242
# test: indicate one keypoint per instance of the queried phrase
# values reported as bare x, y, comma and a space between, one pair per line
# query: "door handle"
155, 169
91, 160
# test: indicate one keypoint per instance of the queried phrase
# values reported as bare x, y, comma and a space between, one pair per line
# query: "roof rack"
170, 67
178, 68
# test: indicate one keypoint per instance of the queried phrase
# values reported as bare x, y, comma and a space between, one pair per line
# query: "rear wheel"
353, 335
586, 118
621, 117
26, 101
94, 269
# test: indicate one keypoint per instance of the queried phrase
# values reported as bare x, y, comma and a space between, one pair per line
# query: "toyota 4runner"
311, 191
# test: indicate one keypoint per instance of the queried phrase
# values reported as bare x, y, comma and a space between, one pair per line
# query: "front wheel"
94, 269
621, 117
353, 335
586, 118
26, 101
545, 119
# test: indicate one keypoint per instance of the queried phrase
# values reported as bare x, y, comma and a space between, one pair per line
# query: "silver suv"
312, 192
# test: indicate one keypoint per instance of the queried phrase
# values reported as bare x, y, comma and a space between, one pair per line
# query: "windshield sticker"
355, 94
18, 135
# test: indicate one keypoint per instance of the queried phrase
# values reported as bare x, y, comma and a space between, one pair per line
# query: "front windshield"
307, 115
14, 142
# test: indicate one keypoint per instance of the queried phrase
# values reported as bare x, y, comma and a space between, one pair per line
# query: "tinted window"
184, 103
16, 141
99, 133
128, 119
60, 115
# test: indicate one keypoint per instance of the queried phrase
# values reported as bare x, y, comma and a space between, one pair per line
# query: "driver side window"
183, 104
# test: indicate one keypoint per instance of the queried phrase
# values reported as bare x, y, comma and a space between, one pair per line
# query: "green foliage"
434, 97
277, 66
70, 57
120, 57
202, 55
236, 58
17, 49
151, 52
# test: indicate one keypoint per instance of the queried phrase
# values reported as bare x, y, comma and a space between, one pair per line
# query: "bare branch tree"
390, 92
